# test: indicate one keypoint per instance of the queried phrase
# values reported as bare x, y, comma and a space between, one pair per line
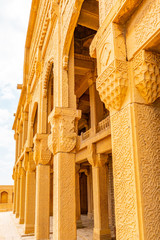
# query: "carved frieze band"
146, 66
112, 84
63, 129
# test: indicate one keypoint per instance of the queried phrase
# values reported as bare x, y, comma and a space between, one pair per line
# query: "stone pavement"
10, 229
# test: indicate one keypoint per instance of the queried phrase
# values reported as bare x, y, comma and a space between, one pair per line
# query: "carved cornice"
146, 66
112, 84
63, 129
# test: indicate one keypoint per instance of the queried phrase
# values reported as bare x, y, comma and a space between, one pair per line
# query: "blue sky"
14, 16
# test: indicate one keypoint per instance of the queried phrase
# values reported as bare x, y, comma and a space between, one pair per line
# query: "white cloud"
14, 16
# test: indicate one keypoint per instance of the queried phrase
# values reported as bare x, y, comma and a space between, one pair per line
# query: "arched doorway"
4, 197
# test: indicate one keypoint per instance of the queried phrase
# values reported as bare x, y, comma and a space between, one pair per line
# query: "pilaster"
22, 195
100, 193
30, 194
18, 191
78, 207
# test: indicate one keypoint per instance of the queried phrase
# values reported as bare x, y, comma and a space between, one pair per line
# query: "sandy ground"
11, 230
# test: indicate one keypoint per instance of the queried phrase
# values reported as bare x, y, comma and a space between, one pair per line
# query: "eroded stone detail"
112, 84
146, 67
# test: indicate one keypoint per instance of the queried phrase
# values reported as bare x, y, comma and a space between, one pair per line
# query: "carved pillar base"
42, 201
30, 202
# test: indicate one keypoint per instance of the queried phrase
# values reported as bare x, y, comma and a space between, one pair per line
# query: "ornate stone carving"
96, 160
112, 84
148, 132
42, 155
46, 73
63, 129
146, 67
124, 176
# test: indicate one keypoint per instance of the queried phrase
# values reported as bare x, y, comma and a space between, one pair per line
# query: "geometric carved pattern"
124, 176
112, 84
148, 117
147, 75
63, 135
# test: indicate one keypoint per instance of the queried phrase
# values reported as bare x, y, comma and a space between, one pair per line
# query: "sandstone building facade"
87, 125
6, 198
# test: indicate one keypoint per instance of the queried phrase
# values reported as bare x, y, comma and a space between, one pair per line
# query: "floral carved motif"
63, 129
146, 67
112, 84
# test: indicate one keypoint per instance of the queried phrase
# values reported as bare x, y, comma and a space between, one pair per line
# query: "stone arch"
4, 197
70, 26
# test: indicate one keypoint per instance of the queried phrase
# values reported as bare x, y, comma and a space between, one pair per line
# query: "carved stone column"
15, 190
42, 156
30, 194
18, 192
100, 194
62, 142
22, 195
78, 207
90, 194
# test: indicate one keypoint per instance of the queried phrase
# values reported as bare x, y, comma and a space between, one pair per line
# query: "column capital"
112, 81
29, 164
63, 135
42, 154
96, 159
146, 67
